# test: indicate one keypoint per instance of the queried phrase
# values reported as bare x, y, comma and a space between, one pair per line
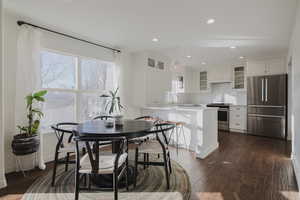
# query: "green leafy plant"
114, 104
34, 114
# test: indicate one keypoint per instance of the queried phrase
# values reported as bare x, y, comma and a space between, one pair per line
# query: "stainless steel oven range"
223, 115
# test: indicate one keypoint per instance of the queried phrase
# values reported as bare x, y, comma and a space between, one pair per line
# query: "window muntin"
74, 84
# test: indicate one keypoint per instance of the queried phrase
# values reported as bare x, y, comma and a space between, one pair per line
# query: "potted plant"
27, 141
114, 106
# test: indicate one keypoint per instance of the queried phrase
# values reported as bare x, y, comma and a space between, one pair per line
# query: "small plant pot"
24, 145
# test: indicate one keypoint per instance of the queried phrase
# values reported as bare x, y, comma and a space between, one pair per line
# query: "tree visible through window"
74, 85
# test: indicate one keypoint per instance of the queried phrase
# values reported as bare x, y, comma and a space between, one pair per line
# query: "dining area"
105, 159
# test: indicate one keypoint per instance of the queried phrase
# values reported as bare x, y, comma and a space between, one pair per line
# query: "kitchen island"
200, 126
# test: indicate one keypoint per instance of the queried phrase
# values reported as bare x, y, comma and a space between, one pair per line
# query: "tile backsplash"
220, 93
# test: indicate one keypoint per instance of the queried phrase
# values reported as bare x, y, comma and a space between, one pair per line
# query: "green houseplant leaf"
34, 114
114, 104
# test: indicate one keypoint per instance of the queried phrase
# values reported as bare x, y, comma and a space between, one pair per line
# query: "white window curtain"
117, 69
28, 80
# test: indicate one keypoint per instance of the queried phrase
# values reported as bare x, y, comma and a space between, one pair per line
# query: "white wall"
2, 169
295, 115
59, 43
150, 84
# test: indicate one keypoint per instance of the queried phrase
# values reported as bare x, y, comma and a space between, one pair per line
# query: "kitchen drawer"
238, 124
240, 109
236, 116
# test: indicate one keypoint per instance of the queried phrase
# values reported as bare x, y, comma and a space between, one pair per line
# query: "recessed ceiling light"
188, 56
155, 40
210, 21
242, 57
203, 63
233, 47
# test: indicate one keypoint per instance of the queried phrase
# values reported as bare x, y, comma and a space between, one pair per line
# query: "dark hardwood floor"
243, 168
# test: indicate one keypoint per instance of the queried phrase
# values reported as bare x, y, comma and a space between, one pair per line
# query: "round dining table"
130, 129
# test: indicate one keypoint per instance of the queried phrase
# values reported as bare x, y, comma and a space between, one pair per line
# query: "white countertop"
181, 107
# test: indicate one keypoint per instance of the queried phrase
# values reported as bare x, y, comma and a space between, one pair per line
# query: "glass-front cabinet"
203, 81
239, 77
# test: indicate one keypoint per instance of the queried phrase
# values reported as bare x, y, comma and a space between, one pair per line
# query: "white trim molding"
296, 166
2, 168
3, 182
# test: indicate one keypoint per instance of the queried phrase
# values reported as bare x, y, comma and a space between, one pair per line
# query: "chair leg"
145, 159
85, 180
90, 182
166, 170
115, 177
54, 168
67, 161
77, 185
148, 155
127, 175
136, 166
170, 165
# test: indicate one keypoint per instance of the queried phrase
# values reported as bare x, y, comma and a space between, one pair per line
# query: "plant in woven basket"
27, 141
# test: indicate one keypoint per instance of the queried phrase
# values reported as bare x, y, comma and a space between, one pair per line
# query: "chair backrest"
103, 117
60, 129
94, 152
160, 129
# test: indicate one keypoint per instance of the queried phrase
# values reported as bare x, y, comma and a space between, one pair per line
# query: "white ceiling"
259, 28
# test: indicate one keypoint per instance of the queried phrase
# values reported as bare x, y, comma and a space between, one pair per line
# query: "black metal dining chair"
95, 163
63, 145
158, 146
139, 141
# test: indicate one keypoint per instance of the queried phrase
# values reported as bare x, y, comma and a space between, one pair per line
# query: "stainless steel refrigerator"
267, 106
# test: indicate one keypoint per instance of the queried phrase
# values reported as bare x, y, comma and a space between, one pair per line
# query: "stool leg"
170, 136
177, 140
182, 132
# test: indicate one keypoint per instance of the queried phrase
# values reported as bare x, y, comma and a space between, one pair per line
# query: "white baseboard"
3, 183
203, 153
296, 166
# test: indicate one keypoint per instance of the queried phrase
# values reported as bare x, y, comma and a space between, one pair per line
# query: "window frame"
77, 91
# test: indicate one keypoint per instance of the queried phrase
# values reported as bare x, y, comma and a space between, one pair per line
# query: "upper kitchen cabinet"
203, 81
266, 67
239, 80
219, 74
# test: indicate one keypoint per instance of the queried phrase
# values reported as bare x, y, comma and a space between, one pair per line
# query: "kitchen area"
247, 97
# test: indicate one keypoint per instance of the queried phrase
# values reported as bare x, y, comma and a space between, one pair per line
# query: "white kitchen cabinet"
203, 81
276, 67
256, 68
220, 73
267, 67
238, 118
239, 80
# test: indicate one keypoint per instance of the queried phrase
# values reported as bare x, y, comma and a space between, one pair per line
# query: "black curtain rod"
20, 23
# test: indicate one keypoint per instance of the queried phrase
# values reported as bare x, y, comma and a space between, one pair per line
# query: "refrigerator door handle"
266, 93
262, 90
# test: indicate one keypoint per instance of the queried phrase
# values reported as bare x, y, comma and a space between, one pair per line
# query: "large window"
74, 85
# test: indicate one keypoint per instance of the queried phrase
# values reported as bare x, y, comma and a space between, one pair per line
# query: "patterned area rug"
151, 186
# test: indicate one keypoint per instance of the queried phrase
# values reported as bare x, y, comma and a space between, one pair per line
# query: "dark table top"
130, 129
